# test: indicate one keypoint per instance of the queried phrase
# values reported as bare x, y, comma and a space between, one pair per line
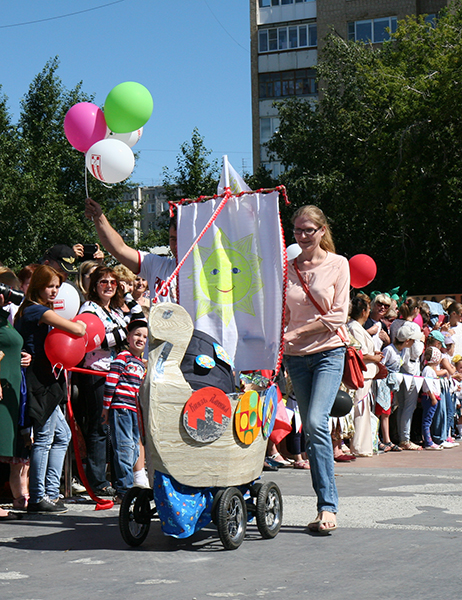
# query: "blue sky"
192, 55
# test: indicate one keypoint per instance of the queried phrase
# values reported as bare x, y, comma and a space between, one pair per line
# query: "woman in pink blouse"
317, 307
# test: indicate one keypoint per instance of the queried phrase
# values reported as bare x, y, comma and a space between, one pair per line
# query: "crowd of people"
412, 352
34, 433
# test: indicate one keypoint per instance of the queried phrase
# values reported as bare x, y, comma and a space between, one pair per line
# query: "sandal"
323, 526
302, 464
409, 446
384, 447
278, 461
393, 447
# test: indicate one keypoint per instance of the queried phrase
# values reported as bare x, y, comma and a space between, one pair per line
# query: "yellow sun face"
228, 277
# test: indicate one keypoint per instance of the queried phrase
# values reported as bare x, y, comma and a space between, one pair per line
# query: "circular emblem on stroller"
247, 419
207, 414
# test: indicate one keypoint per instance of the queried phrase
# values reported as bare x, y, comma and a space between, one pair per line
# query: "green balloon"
128, 107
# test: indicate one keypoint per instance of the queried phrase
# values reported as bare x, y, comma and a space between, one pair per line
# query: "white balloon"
110, 160
67, 302
130, 139
293, 251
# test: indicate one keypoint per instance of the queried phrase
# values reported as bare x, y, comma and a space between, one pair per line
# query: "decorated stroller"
205, 443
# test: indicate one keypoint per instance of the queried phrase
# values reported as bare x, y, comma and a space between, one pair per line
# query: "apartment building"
286, 37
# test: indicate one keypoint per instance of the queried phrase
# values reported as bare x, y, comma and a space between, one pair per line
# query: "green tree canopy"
194, 175
380, 152
42, 178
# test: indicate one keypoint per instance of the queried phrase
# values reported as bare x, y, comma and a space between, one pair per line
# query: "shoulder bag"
354, 367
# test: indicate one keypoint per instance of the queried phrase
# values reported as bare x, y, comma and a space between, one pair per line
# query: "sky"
192, 55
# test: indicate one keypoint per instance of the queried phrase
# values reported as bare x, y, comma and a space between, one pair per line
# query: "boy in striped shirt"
120, 405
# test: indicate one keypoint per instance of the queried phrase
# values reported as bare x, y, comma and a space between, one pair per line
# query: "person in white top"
431, 395
156, 269
454, 325
361, 444
408, 395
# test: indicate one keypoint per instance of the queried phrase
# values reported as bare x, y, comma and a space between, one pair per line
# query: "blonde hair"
124, 273
84, 269
8, 277
315, 214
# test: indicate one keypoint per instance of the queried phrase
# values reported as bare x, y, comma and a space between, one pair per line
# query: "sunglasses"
383, 304
108, 282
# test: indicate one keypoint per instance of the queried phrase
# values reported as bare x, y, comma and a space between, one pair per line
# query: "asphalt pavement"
399, 537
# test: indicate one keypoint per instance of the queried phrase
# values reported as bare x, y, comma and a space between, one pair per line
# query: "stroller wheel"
231, 518
134, 515
269, 510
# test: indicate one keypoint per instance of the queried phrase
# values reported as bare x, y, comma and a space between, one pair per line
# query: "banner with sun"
232, 283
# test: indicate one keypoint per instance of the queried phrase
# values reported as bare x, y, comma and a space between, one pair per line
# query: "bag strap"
315, 304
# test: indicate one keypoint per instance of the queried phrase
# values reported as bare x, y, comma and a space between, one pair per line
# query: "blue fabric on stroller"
182, 509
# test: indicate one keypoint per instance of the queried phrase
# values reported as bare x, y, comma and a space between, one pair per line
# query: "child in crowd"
393, 356
121, 405
431, 394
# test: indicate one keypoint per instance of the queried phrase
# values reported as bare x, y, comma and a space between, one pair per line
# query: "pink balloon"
95, 333
64, 348
362, 270
84, 125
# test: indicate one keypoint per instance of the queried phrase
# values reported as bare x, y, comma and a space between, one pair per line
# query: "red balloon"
95, 333
362, 270
64, 348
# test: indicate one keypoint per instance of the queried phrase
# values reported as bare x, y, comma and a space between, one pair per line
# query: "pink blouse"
329, 283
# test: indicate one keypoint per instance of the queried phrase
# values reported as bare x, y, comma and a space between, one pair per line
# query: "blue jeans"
428, 412
125, 438
91, 391
47, 456
407, 401
316, 379
440, 421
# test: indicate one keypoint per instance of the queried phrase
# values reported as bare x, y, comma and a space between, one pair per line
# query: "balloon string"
86, 184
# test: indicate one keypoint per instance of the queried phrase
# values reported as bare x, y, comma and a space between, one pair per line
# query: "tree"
380, 152
194, 175
43, 187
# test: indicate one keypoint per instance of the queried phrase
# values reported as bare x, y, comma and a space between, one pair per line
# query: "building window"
151, 208
275, 168
287, 38
372, 30
300, 82
268, 127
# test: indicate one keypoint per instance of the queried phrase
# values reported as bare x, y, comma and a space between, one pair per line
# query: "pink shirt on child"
329, 283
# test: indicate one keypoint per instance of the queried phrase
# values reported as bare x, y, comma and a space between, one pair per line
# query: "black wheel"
135, 515
215, 503
269, 510
231, 518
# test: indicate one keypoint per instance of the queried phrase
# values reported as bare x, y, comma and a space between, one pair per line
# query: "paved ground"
399, 536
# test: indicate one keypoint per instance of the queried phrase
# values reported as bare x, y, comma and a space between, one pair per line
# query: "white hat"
408, 331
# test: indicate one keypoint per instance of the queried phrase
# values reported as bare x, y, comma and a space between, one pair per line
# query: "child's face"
137, 340
433, 342
459, 366
449, 349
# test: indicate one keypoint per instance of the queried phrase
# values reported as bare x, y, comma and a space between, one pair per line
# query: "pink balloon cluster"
67, 350
108, 154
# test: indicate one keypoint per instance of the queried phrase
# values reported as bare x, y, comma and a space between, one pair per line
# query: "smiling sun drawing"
228, 277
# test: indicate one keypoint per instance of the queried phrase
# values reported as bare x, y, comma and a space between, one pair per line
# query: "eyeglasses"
383, 304
308, 232
108, 282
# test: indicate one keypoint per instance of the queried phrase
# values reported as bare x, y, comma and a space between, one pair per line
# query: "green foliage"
381, 151
194, 175
42, 178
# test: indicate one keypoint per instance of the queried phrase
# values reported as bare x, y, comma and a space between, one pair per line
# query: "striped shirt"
123, 381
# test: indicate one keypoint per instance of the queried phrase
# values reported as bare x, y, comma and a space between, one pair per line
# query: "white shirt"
156, 270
